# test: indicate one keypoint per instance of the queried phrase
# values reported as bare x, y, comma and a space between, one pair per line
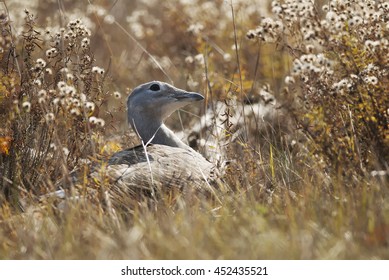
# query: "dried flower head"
51, 53
100, 122
93, 120
90, 106
117, 95
98, 70
49, 117
26, 106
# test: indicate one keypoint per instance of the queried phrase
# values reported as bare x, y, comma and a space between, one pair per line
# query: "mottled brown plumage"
166, 168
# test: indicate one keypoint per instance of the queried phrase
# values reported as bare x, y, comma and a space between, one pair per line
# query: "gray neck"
157, 131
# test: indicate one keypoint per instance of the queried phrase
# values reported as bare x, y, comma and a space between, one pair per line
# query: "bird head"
158, 100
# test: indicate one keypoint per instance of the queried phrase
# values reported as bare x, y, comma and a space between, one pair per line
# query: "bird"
162, 163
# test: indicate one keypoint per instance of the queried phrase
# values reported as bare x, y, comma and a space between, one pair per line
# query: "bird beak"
188, 96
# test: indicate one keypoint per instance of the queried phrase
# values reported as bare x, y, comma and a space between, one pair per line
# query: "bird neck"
157, 131
167, 137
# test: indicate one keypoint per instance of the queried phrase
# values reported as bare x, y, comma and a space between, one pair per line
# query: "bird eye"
155, 87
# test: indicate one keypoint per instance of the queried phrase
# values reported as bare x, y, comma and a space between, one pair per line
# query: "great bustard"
163, 161
163, 164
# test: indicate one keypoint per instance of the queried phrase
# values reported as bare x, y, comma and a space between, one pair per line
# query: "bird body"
160, 168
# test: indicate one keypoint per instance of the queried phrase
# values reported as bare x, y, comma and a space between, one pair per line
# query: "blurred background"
191, 44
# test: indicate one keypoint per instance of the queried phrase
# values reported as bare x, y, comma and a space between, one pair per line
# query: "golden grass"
313, 225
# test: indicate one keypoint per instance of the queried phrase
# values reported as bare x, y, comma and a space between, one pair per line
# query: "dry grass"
317, 189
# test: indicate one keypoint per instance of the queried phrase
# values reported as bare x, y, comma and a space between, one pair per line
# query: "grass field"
311, 183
